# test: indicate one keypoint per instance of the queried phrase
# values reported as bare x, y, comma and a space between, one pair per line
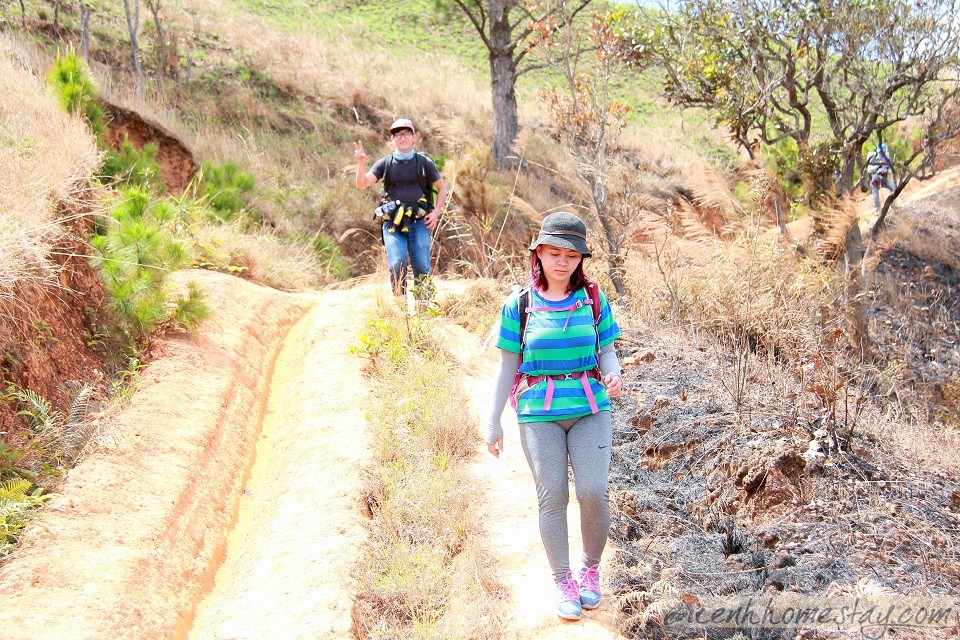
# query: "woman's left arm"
610, 369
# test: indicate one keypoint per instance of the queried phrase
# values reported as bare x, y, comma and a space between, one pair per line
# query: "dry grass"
477, 309
282, 263
326, 66
425, 572
45, 155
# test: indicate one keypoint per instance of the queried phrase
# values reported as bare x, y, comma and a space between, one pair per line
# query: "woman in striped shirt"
559, 368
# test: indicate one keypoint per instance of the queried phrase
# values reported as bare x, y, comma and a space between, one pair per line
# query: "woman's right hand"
359, 153
495, 447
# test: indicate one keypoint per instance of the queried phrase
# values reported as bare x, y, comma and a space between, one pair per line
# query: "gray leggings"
547, 446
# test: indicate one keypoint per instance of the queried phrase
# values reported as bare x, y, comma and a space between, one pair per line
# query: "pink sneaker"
568, 598
590, 587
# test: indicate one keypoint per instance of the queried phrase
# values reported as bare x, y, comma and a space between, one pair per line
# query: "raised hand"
359, 153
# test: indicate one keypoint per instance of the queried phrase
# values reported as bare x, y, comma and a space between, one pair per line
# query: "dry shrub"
478, 307
783, 302
717, 209
833, 223
909, 439
45, 157
283, 263
487, 231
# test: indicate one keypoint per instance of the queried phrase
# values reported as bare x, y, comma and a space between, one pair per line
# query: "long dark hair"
578, 280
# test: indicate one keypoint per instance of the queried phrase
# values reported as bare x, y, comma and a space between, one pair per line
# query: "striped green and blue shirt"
549, 349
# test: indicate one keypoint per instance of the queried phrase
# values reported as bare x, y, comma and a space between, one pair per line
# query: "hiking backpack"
425, 186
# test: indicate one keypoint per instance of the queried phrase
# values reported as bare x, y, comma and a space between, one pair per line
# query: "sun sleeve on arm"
509, 363
609, 362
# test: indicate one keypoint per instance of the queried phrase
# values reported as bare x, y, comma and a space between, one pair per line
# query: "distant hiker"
559, 368
880, 168
407, 210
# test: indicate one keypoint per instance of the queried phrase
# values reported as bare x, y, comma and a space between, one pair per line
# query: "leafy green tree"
506, 28
829, 74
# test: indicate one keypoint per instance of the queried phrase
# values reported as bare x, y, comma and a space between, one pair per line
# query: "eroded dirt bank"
134, 534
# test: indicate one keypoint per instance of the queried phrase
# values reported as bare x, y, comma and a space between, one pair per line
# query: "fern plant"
76, 90
62, 437
16, 499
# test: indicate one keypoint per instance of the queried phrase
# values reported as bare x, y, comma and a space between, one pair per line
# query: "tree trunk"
503, 79
85, 12
133, 25
875, 229
162, 57
855, 309
614, 258
846, 182
23, 13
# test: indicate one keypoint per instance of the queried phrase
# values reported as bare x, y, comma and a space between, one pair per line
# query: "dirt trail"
229, 507
289, 557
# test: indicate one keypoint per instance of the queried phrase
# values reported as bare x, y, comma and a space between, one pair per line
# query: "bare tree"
505, 28
156, 8
587, 117
85, 12
133, 26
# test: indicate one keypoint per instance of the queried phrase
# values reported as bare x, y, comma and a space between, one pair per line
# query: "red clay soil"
177, 165
48, 342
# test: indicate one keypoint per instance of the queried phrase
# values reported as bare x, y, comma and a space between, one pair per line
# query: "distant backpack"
878, 162
422, 179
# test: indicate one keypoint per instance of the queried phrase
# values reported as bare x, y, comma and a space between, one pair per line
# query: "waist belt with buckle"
583, 376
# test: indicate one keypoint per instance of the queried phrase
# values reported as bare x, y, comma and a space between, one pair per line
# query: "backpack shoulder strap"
425, 185
593, 292
523, 303
387, 163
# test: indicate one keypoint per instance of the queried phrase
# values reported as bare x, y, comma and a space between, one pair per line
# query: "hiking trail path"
227, 504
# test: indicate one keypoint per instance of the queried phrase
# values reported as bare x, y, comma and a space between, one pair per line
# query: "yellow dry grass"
337, 68
44, 155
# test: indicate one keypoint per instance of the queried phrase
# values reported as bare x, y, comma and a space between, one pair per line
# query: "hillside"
758, 450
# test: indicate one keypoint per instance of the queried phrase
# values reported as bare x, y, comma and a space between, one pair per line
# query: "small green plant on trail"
76, 91
134, 256
424, 573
